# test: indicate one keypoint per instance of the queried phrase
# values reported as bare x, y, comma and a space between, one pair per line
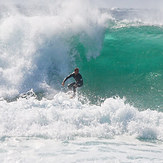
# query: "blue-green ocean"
117, 116
130, 64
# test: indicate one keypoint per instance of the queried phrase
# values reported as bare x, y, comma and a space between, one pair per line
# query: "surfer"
78, 78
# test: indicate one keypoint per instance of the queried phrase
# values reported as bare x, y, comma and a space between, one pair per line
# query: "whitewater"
117, 116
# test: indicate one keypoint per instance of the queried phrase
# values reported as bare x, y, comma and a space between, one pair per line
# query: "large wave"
118, 51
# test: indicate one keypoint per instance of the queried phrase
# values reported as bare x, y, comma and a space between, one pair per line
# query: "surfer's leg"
74, 88
79, 84
70, 86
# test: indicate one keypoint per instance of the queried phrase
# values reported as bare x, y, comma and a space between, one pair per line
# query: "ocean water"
117, 116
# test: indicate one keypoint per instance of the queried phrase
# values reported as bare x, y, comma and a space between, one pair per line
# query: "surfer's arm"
69, 76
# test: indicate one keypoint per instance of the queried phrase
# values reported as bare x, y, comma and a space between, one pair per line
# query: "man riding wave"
78, 78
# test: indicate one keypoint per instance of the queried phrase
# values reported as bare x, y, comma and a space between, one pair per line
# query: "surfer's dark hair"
76, 69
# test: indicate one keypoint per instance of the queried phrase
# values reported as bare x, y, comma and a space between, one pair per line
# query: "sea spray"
36, 48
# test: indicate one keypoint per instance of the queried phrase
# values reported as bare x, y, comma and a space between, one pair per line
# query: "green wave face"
130, 65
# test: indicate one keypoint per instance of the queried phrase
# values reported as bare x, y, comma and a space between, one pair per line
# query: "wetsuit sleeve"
69, 76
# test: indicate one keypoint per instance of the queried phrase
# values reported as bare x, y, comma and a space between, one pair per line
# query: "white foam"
63, 118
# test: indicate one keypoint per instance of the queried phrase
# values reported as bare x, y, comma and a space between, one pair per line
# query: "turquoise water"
129, 65
115, 117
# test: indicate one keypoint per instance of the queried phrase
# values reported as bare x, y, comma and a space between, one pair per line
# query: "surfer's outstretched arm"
69, 76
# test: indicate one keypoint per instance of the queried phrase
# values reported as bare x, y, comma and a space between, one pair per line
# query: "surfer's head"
76, 70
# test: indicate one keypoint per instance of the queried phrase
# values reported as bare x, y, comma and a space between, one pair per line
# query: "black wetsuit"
78, 83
